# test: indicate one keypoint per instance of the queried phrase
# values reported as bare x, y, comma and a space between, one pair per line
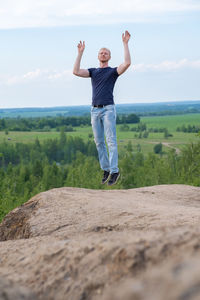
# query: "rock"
10, 291
82, 244
16, 225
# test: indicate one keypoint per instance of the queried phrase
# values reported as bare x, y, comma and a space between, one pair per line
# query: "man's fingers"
127, 33
81, 43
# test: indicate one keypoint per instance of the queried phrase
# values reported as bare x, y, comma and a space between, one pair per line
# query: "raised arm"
77, 71
127, 58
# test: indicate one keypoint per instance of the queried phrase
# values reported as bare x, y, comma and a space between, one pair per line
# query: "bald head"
104, 55
105, 49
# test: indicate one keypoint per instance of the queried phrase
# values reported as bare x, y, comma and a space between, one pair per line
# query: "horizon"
88, 105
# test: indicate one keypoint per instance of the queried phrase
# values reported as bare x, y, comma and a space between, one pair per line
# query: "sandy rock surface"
12, 291
82, 244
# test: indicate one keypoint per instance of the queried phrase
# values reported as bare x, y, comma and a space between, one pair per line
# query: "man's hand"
127, 58
126, 37
81, 47
77, 71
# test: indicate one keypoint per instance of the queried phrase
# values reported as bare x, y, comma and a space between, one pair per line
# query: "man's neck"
103, 64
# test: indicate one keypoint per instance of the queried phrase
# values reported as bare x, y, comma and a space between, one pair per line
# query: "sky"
38, 46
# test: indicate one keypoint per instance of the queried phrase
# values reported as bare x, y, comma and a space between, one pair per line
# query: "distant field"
26, 137
178, 140
34, 114
172, 122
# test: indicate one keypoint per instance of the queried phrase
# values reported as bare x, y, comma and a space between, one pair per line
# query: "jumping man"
103, 113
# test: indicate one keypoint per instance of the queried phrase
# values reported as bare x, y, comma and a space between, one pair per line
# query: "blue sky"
38, 42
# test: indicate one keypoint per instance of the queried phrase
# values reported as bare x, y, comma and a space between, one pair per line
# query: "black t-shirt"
103, 81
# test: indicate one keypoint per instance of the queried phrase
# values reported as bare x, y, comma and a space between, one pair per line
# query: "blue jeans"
103, 121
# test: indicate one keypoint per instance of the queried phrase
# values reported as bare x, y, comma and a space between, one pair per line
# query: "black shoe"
113, 178
106, 175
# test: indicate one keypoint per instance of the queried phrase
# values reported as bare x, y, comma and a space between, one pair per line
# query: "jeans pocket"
112, 110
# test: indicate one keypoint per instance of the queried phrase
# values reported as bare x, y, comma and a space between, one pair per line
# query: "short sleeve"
115, 72
91, 71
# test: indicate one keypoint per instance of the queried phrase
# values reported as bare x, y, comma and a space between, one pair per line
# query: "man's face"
104, 55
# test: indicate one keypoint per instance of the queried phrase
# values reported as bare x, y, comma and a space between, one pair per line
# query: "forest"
27, 169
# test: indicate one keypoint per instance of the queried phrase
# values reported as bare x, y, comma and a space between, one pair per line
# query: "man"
103, 113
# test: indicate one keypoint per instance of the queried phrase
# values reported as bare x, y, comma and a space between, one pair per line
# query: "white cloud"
37, 75
52, 76
64, 75
167, 66
32, 75
24, 78
39, 13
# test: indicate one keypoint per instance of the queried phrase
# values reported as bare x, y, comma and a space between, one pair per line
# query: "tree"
139, 148
142, 127
84, 172
1, 160
2, 124
63, 138
158, 148
129, 147
140, 135
37, 145
132, 118
145, 134
37, 169
166, 133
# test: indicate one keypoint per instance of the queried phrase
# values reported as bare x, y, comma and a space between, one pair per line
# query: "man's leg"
98, 131
109, 121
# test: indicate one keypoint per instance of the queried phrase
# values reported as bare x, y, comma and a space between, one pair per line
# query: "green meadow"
178, 140
172, 122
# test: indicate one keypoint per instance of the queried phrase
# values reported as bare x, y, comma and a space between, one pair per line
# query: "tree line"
48, 123
143, 131
189, 129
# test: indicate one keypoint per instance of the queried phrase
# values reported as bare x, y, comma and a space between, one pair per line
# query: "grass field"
178, 140
172, 122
